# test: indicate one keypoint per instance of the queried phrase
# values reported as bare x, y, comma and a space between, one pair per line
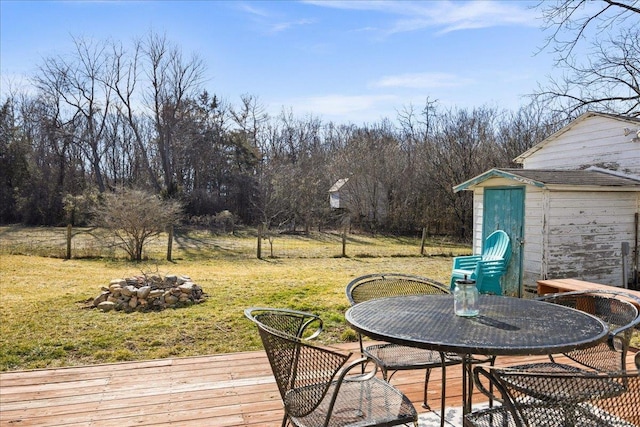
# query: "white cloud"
421, 81
447, 16
252, 10
272, 23
484, 14
283, 26
343, 104
336, 106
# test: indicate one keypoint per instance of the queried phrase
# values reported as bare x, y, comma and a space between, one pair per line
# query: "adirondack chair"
485, 269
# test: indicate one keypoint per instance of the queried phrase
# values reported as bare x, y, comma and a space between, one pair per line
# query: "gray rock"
107, 305
186, 287
156, 293
100, 298
144, 291
170, 299
129, 290
119, 282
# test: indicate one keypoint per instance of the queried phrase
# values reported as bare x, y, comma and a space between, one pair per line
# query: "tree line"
104, 118
109, 116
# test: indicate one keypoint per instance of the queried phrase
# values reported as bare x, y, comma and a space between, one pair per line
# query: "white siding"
570, 234
533, 237
585, 231
334, 200
594, 141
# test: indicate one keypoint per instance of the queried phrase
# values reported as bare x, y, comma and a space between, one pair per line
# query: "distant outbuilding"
364, 198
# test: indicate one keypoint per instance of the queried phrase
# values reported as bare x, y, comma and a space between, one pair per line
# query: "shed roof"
544, 178
338, 185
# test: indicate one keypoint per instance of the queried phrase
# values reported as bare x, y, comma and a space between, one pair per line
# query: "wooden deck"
219, 390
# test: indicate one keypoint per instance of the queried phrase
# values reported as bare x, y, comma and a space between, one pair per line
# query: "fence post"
69, 228
170, 244
344, 243
259, 249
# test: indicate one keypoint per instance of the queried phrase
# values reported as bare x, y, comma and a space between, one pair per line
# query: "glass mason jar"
465, 298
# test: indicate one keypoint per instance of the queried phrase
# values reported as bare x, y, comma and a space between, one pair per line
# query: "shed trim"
495, 173
590, 179
521, 158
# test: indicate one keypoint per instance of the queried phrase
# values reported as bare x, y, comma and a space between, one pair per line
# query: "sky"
343, 61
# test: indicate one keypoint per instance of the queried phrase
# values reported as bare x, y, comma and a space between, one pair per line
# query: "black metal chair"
613, 308
577, 399
317, 385
394, 357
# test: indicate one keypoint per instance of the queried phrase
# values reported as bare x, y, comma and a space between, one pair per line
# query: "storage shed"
572, 210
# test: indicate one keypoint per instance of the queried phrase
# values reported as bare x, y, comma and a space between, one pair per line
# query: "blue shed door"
504, 210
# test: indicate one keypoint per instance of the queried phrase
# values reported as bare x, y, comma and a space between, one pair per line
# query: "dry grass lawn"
44, 322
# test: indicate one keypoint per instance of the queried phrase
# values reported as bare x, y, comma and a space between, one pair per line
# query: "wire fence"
193, 243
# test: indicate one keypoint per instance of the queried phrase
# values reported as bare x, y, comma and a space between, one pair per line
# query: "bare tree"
173, 81
55, 163
292, 180
520, 130
125, 86
14, 166
81, 83
135, 216
464, 146
607, 78
157, 88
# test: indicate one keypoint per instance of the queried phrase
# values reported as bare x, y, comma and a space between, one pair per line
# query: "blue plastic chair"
485, 269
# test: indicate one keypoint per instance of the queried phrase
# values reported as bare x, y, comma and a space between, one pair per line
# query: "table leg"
467, 383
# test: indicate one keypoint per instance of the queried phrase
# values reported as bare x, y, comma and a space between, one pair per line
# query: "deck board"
226, 390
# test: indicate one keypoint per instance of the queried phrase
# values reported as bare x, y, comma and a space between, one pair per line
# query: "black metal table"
505, 326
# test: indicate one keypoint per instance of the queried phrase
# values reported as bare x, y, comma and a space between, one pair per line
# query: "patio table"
505, 326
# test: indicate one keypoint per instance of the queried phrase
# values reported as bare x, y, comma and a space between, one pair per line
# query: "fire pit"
142, 293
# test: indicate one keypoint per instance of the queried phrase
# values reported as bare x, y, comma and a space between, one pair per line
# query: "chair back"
379, 285
613, 308
497, 246
487, 268
544, 399
303, 372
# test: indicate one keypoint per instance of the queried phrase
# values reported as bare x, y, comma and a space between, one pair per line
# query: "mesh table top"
505, 326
